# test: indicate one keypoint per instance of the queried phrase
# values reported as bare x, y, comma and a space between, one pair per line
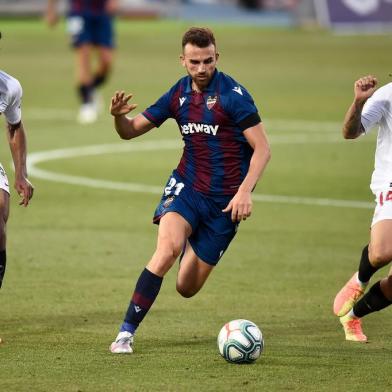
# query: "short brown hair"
198, 36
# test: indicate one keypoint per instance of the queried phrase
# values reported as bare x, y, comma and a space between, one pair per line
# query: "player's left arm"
17, 141
241, 204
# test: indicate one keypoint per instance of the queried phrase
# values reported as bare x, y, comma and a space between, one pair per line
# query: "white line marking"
313, 201
44, 156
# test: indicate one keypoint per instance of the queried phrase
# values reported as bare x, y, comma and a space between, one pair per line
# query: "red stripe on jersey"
200, 151
93, 6
231, 151
182, 165
76, 6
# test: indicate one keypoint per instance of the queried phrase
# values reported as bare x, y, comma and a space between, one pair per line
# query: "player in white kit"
370, 107
10, 103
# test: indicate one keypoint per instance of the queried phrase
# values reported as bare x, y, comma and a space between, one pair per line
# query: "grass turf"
75, 253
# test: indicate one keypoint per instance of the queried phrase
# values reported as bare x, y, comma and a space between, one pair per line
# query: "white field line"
44, 156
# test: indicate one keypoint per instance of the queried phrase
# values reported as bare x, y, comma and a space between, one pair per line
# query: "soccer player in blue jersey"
210, 192
90, 24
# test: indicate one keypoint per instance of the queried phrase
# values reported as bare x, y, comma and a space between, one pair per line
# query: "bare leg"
172, 235
380, 251
105, 61
4, 213
192, 274
88, 112
83, 64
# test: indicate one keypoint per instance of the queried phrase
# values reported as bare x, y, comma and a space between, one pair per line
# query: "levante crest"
211, 101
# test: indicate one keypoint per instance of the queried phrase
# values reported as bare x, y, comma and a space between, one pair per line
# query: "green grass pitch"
75, 253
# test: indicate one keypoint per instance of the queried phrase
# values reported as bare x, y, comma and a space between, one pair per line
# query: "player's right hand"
25, 189
365, 87
240, 206
119, 105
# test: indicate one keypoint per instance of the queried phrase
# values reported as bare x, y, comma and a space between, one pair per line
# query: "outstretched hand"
119, 105
365, 87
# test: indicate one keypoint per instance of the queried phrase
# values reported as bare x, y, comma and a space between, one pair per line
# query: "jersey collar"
211, 86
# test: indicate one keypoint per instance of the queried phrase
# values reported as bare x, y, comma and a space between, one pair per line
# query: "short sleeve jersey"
10, 98
216, 154
378, 111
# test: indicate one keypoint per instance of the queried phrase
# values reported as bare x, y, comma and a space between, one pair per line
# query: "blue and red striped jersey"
216, 154
87, 7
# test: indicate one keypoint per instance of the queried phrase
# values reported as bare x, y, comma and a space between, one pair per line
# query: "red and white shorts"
3, 180
383, 208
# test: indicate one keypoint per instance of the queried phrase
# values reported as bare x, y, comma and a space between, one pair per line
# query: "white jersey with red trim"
378, 111
10, 98
10, 102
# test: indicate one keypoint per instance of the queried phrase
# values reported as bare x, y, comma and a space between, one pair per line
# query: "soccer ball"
240, 341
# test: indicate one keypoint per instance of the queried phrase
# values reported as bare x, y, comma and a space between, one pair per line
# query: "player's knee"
171, 250
177, 249
185, 291
380, 255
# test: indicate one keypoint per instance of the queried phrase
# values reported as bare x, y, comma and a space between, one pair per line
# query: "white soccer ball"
240, 341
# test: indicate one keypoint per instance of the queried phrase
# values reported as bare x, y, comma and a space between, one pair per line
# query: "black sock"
147, 289
365, 270
373, 301
99, 80
85, 92
3, 263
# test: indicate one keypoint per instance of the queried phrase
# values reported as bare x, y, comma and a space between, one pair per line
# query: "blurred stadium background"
342, 14
75, 253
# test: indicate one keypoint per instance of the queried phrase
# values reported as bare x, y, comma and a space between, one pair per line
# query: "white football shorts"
383, 208
3, 180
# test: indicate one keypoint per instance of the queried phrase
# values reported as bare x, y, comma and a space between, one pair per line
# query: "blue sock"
85, 93
147, 289
128, 327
